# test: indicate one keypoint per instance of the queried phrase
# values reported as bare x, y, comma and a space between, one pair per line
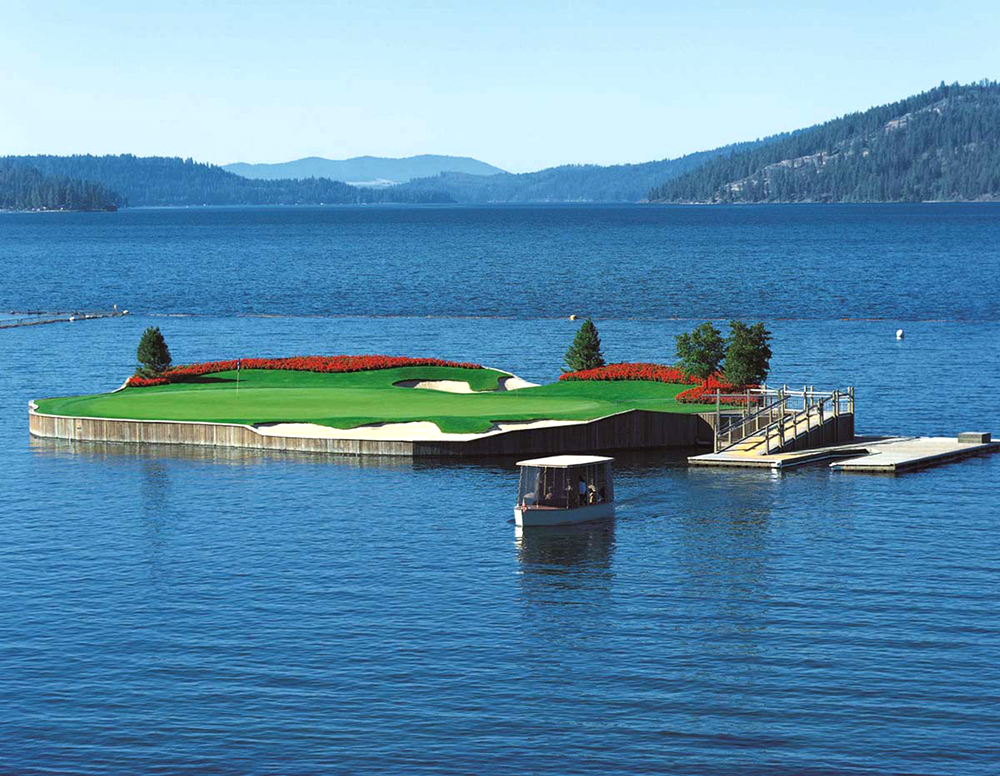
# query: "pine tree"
748, 354
700, 352
153, 353
585, 352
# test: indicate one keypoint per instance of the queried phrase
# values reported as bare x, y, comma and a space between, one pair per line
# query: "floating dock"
906, 453
15, 320
792, 428
873, 455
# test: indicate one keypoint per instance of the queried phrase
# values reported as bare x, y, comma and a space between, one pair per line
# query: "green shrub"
585, 352
700, 352
152, 353
748, 354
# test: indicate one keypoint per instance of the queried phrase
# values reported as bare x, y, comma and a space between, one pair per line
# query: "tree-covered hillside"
158, 180
943, 144
569, 183
25, 188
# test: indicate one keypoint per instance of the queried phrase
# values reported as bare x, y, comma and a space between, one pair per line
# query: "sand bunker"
448, 386
414, 431
511, 383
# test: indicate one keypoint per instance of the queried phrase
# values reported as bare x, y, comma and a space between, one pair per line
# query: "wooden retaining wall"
636, 429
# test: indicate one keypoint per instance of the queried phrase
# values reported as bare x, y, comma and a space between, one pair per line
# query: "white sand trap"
514, 383
448, 386
511, 383
414, 431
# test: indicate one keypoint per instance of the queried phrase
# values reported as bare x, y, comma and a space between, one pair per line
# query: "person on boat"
582, 490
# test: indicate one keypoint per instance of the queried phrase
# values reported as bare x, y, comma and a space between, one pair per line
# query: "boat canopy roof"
565, 461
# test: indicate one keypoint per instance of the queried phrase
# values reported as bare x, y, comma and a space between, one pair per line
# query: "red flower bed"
296, 364
705, 393
135, 381
702, 392
655, 372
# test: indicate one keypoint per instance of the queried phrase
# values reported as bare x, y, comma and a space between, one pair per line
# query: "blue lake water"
208, 611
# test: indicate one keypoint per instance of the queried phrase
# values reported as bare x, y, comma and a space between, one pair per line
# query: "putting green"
362, 398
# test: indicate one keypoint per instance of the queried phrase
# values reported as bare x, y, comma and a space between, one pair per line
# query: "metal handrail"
731, 429
814, 402
795, 421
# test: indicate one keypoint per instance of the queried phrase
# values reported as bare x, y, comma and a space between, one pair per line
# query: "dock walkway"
879, 455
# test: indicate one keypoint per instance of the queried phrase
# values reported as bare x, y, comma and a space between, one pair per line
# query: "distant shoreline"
485, 205
59, 210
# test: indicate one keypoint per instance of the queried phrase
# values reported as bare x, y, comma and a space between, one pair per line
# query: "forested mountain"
569, 183
159, 180
943, 144
25, 188
365, 169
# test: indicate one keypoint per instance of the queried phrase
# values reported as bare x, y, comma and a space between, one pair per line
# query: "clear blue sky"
522, 85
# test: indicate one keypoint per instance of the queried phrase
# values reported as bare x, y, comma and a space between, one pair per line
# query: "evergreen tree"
748, 354
700, 352
585, 352
153, 353
25, 188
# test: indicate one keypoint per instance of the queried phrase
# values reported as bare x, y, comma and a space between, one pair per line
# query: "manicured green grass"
362, 398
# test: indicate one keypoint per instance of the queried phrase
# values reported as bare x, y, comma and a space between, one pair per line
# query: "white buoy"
72, 318
572, 317
899, 334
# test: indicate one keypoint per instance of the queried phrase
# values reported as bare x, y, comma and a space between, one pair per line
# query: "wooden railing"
779, 416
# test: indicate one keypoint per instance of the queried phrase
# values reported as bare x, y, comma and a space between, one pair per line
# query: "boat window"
527, 491
565, 488
580, 480
597, 479
553, 488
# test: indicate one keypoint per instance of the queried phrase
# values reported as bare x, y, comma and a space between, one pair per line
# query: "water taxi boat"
564, 489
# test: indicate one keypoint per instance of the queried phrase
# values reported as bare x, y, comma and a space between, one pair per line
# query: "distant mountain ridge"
365, 169
942, 144
572, 182
170, 181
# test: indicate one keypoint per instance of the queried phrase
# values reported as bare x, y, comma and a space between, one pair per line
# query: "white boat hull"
564, 516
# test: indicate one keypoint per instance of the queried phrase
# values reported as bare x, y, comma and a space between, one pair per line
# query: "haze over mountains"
570, 182
366, 170
943, 144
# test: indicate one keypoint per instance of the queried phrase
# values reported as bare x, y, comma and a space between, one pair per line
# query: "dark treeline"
568, 183
25, 188
943, 144
169, 181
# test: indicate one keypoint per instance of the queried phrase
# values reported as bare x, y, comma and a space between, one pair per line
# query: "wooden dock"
907, 453
873, 455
